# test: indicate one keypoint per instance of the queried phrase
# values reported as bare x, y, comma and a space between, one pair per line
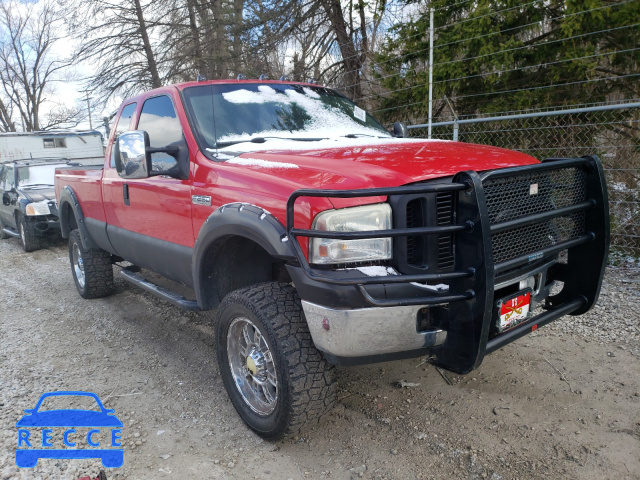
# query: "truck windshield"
226, 114
37, 175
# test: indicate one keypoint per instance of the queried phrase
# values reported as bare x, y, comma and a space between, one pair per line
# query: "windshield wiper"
357, 135
264, 139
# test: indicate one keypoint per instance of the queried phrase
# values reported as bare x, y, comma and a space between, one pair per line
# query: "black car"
29, 210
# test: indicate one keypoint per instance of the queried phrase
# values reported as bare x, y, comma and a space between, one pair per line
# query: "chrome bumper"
368, 331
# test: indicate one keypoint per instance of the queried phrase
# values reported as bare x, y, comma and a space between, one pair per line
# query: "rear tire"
277, 380
91, 269
30, 242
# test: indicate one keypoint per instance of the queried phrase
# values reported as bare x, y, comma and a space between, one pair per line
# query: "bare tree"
141, 44
29, 68
333, 41
222, 38
6, 116
118, 38
354, 25
197, 38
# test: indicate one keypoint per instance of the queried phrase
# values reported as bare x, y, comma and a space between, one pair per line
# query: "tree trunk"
153, 69
5, 119
238, 6
218, 41
351, 58
199, 62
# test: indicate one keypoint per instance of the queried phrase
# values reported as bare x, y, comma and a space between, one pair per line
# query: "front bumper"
368, 332
43, 224
484, 264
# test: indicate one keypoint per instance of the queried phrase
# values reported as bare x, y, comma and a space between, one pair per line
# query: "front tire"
30, 242
91, 269
277, 380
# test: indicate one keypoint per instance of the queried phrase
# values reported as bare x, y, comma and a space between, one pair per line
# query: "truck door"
149, 220
7, 183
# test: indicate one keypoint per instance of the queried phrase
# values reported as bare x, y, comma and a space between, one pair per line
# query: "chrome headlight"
353, 219
39, 208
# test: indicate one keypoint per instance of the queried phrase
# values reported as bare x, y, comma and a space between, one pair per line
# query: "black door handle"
125, 193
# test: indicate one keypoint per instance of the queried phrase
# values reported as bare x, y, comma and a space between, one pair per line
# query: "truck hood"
38, 194
277, 168
369, 163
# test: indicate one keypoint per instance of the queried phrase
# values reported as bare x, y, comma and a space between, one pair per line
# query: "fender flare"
240, 220
68, 196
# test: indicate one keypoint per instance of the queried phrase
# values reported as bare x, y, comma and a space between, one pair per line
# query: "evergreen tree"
505, 55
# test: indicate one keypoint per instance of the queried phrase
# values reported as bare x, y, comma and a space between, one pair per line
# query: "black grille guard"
471, 282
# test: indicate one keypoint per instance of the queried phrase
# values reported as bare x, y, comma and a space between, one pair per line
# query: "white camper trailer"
84, 147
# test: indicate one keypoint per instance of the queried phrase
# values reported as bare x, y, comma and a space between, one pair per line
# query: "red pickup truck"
322, 239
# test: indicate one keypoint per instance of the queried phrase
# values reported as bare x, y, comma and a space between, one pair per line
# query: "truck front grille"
423, 251
519, 195
510, 198
444, 216
415, 245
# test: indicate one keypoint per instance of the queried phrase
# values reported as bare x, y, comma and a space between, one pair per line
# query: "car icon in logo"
69, 419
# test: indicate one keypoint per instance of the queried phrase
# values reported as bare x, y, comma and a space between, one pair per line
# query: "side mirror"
400, 130
132, 157
5, 199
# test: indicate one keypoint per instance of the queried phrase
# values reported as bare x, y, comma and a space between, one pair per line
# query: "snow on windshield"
325, 121
37, 174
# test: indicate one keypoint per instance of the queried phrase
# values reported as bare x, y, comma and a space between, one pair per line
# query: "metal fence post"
430, 70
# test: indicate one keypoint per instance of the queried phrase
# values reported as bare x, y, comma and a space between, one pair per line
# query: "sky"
70, 93
67, 92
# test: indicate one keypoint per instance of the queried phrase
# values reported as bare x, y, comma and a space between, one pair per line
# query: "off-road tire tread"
312, 387
98, 269
31, 242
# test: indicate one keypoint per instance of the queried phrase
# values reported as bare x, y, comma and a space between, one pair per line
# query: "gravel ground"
561, 403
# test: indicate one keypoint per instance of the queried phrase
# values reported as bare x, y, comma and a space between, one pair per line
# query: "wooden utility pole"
88, 107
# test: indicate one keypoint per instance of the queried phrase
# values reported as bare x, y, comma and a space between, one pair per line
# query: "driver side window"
159, 119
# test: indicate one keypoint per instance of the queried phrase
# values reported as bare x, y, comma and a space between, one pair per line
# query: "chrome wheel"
78, 265
252, 366
23, 236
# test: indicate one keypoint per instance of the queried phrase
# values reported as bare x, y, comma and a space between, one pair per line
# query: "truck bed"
86, 183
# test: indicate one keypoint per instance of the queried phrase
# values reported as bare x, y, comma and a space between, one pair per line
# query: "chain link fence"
613, 135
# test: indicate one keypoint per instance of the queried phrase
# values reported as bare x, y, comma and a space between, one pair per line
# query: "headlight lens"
40, 208
354, 219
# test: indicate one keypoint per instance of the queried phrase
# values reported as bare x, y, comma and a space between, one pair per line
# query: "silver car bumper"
368, 331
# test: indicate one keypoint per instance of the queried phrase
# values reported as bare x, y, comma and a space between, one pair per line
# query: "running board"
164, 293
11, 232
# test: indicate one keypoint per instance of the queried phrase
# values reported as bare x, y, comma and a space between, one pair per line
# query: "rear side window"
159, 119
124, 124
